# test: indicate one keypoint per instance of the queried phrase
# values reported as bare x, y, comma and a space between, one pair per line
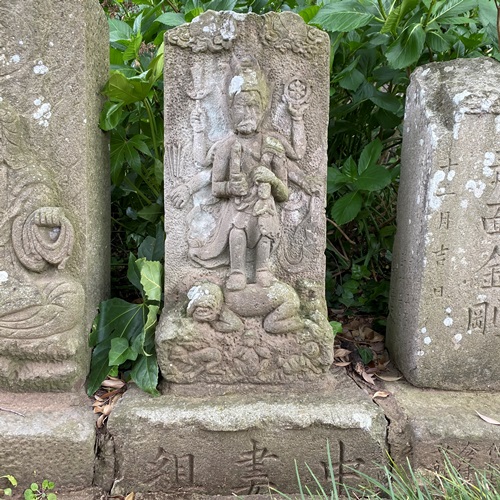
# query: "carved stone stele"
246, 114
53, 190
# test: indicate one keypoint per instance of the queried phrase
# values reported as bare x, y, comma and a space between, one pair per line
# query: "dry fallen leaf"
113, 383
342, 363
368, 378
130, 496
488, 419
381, 394
389, 378
341, 353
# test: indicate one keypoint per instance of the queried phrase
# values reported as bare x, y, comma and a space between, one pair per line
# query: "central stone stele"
246, 116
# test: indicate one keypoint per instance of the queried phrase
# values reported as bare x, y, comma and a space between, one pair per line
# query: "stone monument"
246, 117
54, 200
444, 323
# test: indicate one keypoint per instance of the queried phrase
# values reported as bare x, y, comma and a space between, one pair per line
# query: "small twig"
12, 411
342, 232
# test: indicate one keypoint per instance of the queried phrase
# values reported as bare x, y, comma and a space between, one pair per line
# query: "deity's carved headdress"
247, 76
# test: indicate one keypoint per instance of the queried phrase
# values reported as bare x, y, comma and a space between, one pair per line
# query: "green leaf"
51, 496
111, 115
350, 169
118, 318
342, 16
12, 480
99, 367
374, 178
308, 13
194, 13
155, 68
119, 30
352, 80
437, 41
125, 89
45, 484
443, 11
34, 487
145, 341
29, 495
151, 212
151, 278
336, 180
396, 14
387, 101
134, 273
221, 5
336, 327
346, 208
366, 354
120, 352
407, 48
7, 492
145, 374
370, 155
171, 19
133, 48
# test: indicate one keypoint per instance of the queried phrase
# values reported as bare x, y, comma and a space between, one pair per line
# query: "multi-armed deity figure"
251, 171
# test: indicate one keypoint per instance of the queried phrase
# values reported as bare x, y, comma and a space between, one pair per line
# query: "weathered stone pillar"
54, 201
444, 323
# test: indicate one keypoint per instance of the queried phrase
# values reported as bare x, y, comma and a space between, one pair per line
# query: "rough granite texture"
237, 444
54, 190
443, 328
54, 439
425, 422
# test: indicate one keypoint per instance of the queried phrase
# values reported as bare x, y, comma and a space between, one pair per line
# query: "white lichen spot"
481, 298
4, 276
486, 105
458, 118
451, 175
457, 337
228, 30
448, 322
409, 221
435, 200
1, 98
448, 310
425, 261
469, 332
460, 97
40, 68
448, 69
460, 250
476, 187
420, 353
43, 112
407, 129
427, 340
497, 124
421, 142
425, 72
464, 203
419, 199
51, 44
424, 330
15, 59
235, 85
21, 42
489, 160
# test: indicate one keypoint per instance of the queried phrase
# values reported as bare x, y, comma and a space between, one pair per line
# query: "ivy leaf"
145, 374
347, 207
151, 278
342, 16
374, 178
120, 352
407, 48
134, 273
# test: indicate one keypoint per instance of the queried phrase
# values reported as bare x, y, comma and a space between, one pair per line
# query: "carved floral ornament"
216, 32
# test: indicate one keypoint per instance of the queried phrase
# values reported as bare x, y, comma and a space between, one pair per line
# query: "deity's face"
264, 190
205, 314
247, 112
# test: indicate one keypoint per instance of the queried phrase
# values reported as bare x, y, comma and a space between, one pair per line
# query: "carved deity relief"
37, 299
253, 203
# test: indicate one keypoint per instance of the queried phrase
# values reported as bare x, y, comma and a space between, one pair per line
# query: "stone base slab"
54, 439
425, 422
242, 443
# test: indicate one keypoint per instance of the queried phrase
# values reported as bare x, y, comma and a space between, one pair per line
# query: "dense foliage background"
375, 45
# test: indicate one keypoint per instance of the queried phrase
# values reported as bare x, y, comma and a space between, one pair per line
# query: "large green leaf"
119, 30
342, 16
374, 178
133, 47
171, 19
99, 367
445, 10
347, 207
145, 374
111, 115
407, 48
134, 273
118, 318
128, 90
151, 278
120, 352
